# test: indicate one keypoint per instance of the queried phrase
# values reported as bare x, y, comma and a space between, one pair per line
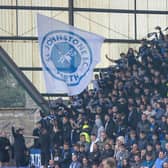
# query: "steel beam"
71, 12
127, 11
23, 80
33, 38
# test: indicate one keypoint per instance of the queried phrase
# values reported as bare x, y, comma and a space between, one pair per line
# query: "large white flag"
68, 55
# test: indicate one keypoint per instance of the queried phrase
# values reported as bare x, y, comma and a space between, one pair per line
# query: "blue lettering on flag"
66, 56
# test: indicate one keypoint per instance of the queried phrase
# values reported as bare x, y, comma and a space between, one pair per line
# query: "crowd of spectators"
124, 116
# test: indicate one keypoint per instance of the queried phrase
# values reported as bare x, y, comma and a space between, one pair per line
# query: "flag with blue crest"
68, 55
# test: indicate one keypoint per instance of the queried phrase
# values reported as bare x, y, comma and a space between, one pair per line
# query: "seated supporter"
151, 151
165, 164
82, 152
75, 163
148, 161
142, 142
143, 124
107, 152
102, 140
137, 162
160, 160
85, 163
131, 139
65, 156
84, 142
95, 155
134, 151
121, 154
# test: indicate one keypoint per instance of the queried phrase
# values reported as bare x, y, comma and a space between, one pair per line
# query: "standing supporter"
148, 162
151, 151
19, 147
121, 154
36, 133
109, 126
56, 136
120, 124
83, 141
98, 126
45, 147
109, 163
162, 128
86, 131
96, 84
95, 155
75, 128
75, 163
107, 152
144, 50
137, 162
85, 163
159, 112
133, 117
166, 149
65, 156
165, 165
142, 142
143, 124
82, 152
158, 148
76, 149
125, 164
4, 149
119, 142
160, 160
93, 141
131, 139
66, 130
134, 151
142, 154
102, 140
51, 164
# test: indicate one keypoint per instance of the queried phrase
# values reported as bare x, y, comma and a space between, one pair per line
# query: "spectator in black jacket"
65, 158
133, 117
142, 141
109, 126
85, 163
56, 136
37, 132
94, 156
19, 147
109, 163
4, 149
143, 124
66, 130
107, 152
45, 147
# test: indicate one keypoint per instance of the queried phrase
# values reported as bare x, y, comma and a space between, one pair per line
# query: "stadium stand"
124, 117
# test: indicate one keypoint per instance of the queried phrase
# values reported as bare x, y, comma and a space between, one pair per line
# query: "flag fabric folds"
68, 55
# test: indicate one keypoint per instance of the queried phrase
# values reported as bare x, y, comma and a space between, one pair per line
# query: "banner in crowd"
35, 158
68, 55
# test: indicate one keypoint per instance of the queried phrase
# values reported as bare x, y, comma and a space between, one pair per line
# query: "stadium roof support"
24, 81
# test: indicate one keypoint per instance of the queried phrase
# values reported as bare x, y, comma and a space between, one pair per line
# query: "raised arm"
111, 60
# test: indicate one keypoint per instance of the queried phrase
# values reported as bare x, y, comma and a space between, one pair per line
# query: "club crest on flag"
66, 55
